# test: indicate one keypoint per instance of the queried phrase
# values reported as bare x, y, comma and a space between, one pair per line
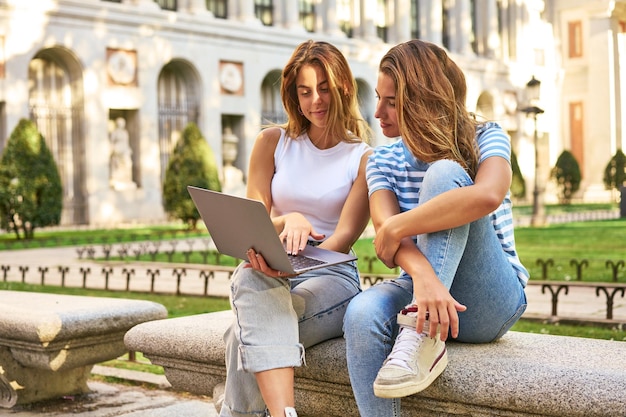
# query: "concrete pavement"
119, 400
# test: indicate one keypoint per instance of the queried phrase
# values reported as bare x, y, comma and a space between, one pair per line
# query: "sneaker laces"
407, 342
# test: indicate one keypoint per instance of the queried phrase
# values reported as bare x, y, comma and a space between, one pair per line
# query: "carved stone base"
8, 396
30, 384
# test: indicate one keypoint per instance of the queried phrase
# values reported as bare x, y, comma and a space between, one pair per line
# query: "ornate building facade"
79, 68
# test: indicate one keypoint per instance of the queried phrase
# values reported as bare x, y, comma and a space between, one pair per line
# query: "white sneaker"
290, 412
218, 396
415, 361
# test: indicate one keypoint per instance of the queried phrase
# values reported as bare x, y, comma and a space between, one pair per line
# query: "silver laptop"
237, 224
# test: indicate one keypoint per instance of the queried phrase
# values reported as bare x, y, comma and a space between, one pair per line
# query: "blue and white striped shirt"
392, 167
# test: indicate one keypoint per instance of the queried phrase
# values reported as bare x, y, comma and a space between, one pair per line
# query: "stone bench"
522, 374
50, 342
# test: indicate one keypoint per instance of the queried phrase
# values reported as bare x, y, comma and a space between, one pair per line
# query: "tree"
566, 172
615, 172
518, 185
31, 194
192, 163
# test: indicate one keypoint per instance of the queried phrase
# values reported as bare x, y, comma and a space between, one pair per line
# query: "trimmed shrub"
191, 163
31, 194
566, 172
518, 184
615, 172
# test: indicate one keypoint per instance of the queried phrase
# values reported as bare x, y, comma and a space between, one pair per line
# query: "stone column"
463, 28
244, 11
292, 14
516, 25
492, 36
198, 7
402, 17
331, 23
431, 20
368, 24
480, 30
148, 4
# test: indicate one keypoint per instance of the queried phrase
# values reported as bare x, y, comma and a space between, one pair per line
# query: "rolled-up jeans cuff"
262, 358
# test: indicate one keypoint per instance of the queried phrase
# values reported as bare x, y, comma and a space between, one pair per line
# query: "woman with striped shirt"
439, 201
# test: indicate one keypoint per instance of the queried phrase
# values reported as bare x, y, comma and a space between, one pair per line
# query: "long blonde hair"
344, 119
430, 103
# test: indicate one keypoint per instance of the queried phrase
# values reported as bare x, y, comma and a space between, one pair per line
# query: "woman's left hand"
256, 261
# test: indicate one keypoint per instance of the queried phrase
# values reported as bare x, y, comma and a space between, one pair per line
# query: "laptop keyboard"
300, 261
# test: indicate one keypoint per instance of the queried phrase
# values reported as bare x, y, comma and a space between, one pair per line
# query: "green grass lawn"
596, 250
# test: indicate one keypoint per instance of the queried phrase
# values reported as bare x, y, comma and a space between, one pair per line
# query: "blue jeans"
275, 319
469, 261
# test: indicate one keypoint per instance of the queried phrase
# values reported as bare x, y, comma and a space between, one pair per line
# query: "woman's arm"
354, 214
261, 167
448, 210
429, 293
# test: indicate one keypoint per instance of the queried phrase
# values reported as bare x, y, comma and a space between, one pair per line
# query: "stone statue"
121, 163
233, 177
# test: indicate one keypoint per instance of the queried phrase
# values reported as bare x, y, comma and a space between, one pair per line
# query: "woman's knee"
375, 308
441, 176
356, 312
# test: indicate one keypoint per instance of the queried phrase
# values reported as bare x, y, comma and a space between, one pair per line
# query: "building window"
575, 37
576, 126
307, 15
473, 38
264, 11
166, 4
219, 8
381, 20
415, 19
344, 17
445, 23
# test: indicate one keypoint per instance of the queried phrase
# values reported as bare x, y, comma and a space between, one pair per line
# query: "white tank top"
314, 182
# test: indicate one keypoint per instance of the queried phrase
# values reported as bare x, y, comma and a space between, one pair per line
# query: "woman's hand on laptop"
256, 261
296, 232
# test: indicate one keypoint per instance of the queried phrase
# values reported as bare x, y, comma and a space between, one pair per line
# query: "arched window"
485, 106
272, 110
178, 106
56, 106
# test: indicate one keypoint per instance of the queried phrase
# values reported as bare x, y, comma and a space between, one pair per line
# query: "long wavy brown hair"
430, 104
344, 119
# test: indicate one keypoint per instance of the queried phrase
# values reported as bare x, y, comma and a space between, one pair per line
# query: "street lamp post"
532, 94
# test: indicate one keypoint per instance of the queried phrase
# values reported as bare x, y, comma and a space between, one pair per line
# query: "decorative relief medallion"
122, 67
231, 77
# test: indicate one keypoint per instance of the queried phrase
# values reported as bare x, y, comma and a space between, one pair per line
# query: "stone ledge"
50, 342
522, 374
